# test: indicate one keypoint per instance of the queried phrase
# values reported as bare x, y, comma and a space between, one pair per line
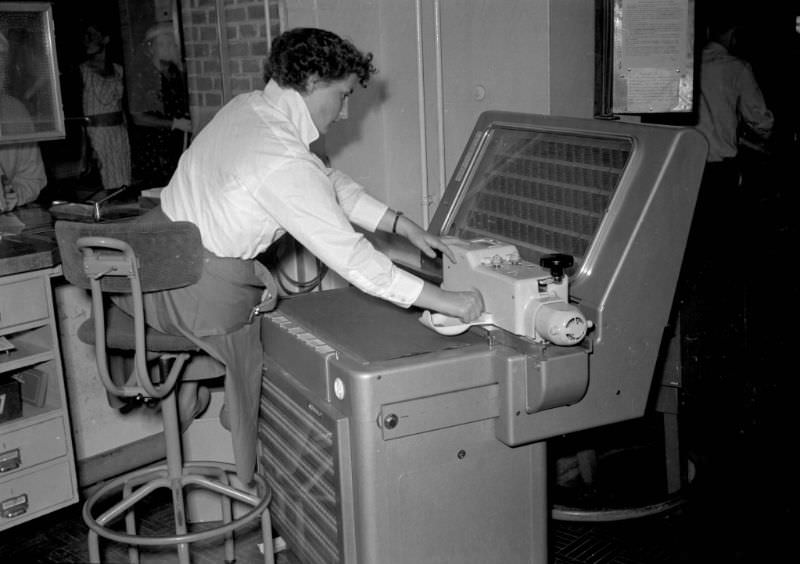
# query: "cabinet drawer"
23, 301
32, 445
35, 493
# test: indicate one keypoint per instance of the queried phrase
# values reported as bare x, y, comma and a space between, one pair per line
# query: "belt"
105, 120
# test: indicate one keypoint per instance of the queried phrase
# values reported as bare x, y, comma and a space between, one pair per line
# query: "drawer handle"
10, 460
14, 506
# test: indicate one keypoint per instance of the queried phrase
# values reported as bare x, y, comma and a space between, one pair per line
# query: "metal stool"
131, 258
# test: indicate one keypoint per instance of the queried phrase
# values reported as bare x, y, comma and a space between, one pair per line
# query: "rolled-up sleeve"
358, 205
316, 207
752, 105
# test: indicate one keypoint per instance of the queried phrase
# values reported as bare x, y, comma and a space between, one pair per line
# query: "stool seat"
121, 335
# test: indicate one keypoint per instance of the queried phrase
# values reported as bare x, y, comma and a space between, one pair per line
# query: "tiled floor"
676, 538
742, 515
60, 538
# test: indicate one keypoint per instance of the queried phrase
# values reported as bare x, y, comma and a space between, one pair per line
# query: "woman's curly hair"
302, 52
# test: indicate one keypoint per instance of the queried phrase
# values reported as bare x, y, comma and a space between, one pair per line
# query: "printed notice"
654, 34
652, 90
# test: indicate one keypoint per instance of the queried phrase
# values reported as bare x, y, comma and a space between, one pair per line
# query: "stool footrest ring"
159, 474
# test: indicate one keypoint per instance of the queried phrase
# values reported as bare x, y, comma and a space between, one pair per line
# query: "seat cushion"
120, 335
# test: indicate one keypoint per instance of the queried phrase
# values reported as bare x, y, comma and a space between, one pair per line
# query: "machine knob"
556, 263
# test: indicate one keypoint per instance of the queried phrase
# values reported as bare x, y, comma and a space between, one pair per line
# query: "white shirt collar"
289, 102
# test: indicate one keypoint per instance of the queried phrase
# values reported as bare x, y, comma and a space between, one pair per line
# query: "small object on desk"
10, 224
72, 211
6, 345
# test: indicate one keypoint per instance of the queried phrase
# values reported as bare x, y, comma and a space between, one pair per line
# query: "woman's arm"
396, 222
146, 119
467, 306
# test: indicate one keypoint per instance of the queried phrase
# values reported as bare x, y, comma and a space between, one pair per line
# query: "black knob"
556, 263
390, 421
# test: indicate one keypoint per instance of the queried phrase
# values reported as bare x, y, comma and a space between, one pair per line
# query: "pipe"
439, 96
423, 144
224, 61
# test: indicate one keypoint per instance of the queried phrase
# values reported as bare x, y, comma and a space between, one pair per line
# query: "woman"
160, 107
103, 93
248, 178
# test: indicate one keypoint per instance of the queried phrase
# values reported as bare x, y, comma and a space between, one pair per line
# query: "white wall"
476, 55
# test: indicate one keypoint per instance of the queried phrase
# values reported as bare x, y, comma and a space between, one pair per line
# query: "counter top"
21, 253
27, 236
27, 241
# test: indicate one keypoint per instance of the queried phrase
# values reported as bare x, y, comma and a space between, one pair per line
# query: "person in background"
248, 178
732, 109
160, 107
103, 94
732, 113
22, 170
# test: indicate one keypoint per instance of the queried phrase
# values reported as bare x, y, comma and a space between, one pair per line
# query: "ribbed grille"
543, 192
296, 456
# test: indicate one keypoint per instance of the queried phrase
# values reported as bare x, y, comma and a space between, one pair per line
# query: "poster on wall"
653, 56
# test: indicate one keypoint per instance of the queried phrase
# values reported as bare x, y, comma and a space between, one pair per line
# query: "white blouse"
249, 176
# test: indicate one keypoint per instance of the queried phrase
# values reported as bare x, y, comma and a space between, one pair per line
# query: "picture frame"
30, 92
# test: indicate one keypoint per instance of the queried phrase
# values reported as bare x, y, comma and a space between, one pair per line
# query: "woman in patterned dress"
103, 92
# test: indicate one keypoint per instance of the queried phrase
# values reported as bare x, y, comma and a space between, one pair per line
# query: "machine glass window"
542, 191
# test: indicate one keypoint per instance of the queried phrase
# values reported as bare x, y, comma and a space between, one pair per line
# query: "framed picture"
30, 94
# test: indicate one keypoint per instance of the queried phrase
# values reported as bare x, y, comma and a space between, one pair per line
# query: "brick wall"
218, 70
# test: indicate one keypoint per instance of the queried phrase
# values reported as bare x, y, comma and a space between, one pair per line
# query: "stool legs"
130, 526
172, 436
175, 475
266, 537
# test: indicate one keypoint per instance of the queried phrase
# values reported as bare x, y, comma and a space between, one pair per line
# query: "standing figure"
103, 93
715, 302
160, 107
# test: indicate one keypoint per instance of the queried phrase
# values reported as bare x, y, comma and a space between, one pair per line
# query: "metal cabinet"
37, 465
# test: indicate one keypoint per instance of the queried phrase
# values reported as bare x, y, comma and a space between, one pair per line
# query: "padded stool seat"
136, 258
120, 335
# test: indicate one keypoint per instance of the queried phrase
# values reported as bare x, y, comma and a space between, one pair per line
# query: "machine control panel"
528, 299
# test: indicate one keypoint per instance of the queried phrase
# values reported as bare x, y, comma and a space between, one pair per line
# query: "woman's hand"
469, 305
466, 305
182, 124
421, 239
8, 197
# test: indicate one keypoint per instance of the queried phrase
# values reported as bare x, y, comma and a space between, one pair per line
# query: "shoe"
200, 405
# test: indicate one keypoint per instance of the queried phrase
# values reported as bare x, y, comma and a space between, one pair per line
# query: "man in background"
715, 285
21, 166
732, 110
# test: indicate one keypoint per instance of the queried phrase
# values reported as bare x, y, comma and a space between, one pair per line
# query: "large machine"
394, 436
